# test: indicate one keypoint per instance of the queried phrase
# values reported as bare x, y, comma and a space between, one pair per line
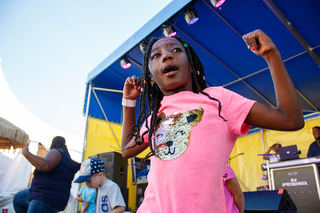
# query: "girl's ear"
152, 80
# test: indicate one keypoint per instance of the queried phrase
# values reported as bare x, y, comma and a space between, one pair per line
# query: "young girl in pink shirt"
232, 191
191, 129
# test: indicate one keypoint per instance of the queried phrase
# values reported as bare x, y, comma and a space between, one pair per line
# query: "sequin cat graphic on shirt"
172, 133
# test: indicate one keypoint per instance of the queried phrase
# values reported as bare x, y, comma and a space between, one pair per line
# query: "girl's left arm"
288, 113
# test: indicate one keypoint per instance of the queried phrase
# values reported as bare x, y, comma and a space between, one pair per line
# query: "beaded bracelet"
128, 102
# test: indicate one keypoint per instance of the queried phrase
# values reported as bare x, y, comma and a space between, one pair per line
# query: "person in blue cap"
109, 197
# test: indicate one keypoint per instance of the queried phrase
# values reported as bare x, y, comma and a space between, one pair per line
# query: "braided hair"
151, 96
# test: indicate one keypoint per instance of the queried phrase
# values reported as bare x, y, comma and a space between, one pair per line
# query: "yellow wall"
100, 138
247, 167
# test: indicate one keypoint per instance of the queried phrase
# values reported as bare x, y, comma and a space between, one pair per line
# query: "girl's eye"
155, 55
177, 49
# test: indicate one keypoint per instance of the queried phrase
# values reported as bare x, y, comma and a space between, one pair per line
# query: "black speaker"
115, 167
125, 195
269, 201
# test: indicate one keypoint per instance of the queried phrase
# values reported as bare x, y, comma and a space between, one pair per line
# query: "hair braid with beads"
151, 96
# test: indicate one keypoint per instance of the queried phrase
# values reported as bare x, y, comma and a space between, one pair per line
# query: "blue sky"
49, 47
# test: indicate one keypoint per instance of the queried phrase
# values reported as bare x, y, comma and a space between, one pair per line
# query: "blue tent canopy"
293, 25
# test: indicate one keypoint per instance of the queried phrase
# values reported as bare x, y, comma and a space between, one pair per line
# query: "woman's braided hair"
151, 96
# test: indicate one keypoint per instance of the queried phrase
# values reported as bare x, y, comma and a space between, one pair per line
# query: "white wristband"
128, 102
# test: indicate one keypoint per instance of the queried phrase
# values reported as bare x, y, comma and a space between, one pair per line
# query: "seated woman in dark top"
50, 188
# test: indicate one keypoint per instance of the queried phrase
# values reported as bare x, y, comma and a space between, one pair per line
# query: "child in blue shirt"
88, 198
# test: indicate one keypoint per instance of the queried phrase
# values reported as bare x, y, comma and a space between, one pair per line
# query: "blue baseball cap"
89, 168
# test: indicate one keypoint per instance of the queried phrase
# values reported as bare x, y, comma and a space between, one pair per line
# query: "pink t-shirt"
192, 145
230, 204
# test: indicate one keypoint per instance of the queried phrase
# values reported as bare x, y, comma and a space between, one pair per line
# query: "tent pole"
108, 90
105, 117
85, 133
86, 124
243, 185
266, 161
263, 144
273, 7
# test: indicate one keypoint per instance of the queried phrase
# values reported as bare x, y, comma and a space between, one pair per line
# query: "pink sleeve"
237, 109
228, 173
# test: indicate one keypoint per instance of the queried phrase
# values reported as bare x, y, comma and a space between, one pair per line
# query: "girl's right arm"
131, 91
287, 116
